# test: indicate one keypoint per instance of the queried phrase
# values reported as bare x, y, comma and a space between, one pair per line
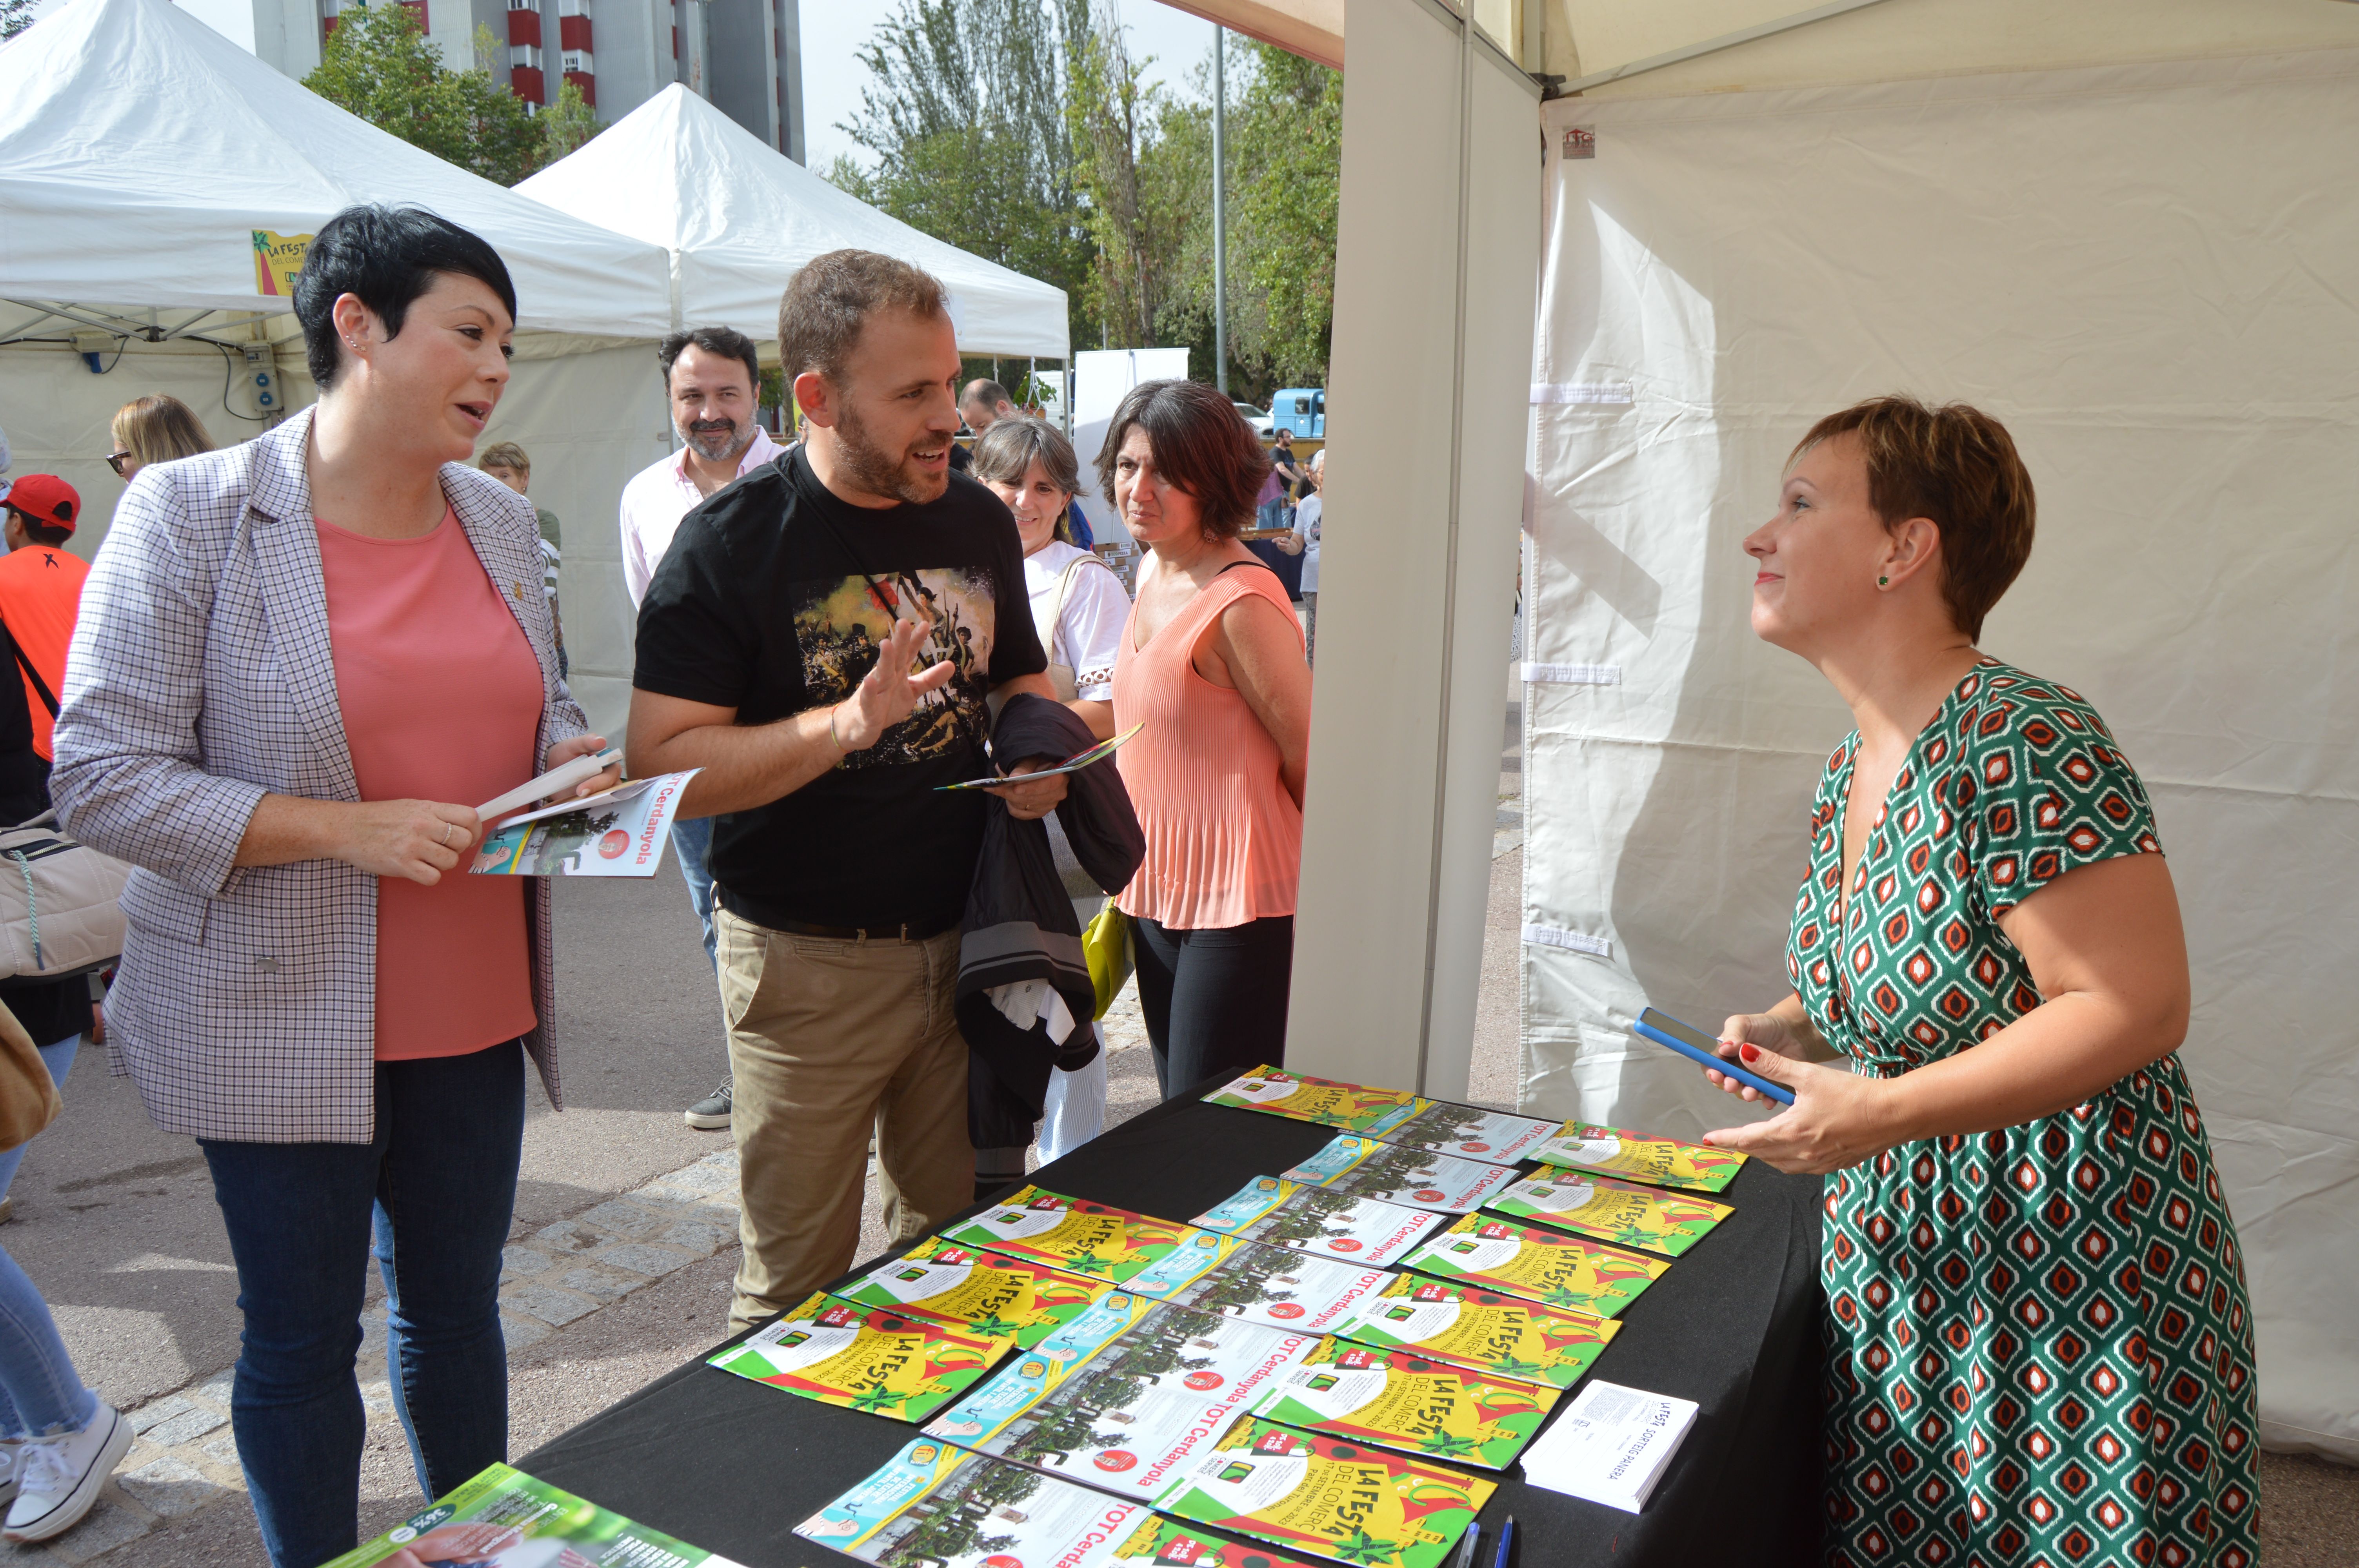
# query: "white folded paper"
1610, 1446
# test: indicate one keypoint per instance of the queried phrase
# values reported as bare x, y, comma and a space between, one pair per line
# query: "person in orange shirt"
41, 590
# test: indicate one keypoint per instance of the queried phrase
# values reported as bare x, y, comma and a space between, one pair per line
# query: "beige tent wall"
2151, 273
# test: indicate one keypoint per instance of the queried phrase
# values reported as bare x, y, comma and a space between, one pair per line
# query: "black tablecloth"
734, 1466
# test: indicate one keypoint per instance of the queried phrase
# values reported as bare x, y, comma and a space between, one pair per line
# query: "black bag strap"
40, 686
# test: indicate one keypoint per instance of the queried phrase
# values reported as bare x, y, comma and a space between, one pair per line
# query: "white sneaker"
8, 1471
58, 1478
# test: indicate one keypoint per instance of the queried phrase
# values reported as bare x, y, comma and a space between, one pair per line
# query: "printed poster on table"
1538, 1264
868, 1358
986, 1294
1144, 1405
1658, 1161
1414, 1178
1472, 1134
1405, 1401
1036, 1373
1312, 1219
618, 833
1353, 1108
1620, 1211
1152, 1256
1338, 1499
504, 1518
1473, 1327
1281, 1288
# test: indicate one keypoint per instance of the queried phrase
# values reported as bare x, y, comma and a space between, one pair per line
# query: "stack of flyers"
1355, 1108
983, 1294
1612, 1446
1400, 1400
504, 1516
1140, 1409
1152, 1256
1538, 1264
840, 1353
934, 1504
1410, 1177
1661, 1161
1312, 1219
1619, 1212
1472, 1134
1335, 1498
1041, 1370
1283, 1288
1504, 1334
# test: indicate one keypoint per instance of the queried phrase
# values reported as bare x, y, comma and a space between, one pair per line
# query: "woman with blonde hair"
156, 429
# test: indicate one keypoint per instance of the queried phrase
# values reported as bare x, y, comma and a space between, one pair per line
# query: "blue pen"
1507, 1542
1464, 1556
1688, 1041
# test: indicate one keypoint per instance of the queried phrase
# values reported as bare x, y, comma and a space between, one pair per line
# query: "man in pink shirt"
711, 377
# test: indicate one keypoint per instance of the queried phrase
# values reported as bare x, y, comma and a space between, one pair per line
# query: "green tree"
566, 125
378, 65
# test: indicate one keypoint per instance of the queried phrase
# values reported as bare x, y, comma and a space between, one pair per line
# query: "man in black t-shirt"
821, 640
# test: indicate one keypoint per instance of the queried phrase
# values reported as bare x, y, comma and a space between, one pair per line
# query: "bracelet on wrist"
842, 750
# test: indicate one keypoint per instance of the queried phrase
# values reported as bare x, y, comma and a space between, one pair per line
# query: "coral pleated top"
1223, 837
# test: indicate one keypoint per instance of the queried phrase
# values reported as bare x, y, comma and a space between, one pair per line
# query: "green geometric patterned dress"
2039, 1347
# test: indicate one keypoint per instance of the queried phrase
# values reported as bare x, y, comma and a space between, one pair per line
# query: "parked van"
1301, 409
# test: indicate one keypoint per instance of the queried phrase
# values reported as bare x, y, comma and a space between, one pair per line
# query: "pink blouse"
442, 700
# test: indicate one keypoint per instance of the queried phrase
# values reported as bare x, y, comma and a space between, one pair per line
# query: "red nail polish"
1750, 1053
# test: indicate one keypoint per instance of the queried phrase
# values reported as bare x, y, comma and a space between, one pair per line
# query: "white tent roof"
677, 172
139, 151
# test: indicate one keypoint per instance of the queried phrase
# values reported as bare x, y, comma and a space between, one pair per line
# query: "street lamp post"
1219, 212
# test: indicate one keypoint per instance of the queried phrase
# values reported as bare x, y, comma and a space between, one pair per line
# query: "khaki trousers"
828, 1040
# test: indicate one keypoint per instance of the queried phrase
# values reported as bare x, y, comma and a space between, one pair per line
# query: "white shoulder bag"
60, 903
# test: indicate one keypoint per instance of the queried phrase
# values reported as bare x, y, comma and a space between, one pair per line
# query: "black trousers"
1215, 1000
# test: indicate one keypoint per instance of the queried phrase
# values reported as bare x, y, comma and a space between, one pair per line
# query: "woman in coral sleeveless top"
1211, 665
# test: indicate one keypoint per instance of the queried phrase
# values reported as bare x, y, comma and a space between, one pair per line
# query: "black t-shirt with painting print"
773, 600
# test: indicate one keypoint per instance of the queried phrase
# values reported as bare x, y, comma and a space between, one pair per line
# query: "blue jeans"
437, 1188
691, 840
41, 1393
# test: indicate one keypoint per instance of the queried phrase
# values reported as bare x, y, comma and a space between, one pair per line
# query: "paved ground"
623, 1248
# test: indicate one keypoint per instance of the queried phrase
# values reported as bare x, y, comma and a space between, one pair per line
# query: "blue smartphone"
1688, 1041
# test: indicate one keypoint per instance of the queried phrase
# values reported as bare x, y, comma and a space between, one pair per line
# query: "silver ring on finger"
443, 837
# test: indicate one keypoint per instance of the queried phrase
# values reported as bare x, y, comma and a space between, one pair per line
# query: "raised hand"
890, 691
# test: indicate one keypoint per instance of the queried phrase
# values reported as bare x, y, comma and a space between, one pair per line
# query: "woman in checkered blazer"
297, 662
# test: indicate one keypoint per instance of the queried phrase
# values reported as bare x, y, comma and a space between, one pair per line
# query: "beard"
870, 467
718, 442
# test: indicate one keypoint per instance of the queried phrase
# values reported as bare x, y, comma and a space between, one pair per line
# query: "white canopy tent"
739, 219
140, 153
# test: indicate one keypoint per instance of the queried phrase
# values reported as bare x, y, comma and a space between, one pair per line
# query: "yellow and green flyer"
984, 1293
1503, 1335
1328, 1496
1659, 1162
1538, 1264
1163, 1543
1400, 1399
503, 1515
1151, 1256
841, 1353
1038, 1372
1353, 1108
1620, 1211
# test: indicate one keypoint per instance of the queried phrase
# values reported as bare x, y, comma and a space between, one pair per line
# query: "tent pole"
1219, 212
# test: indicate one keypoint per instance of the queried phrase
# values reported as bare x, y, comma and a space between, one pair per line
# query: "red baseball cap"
47, 499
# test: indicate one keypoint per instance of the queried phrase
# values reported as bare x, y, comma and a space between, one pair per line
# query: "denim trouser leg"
437, 1189
60, 1060
692, 840
40, 1394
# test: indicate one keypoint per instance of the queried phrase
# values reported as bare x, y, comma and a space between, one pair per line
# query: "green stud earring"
1882, 582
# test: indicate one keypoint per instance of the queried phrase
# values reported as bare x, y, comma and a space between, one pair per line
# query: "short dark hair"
823, 308
1957, 466
40, 533
990, 393
726, 342
1005, 453
385, 257
1202, 443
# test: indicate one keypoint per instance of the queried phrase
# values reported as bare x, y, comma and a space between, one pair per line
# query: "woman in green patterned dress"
2039, 1347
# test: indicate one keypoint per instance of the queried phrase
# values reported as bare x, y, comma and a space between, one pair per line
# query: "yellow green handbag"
1105, 943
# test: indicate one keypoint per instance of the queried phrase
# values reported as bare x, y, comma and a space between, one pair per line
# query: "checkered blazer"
200, 678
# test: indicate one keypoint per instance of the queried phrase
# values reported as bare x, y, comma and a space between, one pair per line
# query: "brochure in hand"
504, 1518
1500, 1333
1144, 1405
1281, 1288
1152, 1256
1659, 1162
1473, 1134
1040, 1371
1400, 1399
1072, 765
1414, 1178
841, 1353
986, 1294
1538, 1264
620, 833
1312, 1219
1355, 1108
1331, 1497
1620, 1211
